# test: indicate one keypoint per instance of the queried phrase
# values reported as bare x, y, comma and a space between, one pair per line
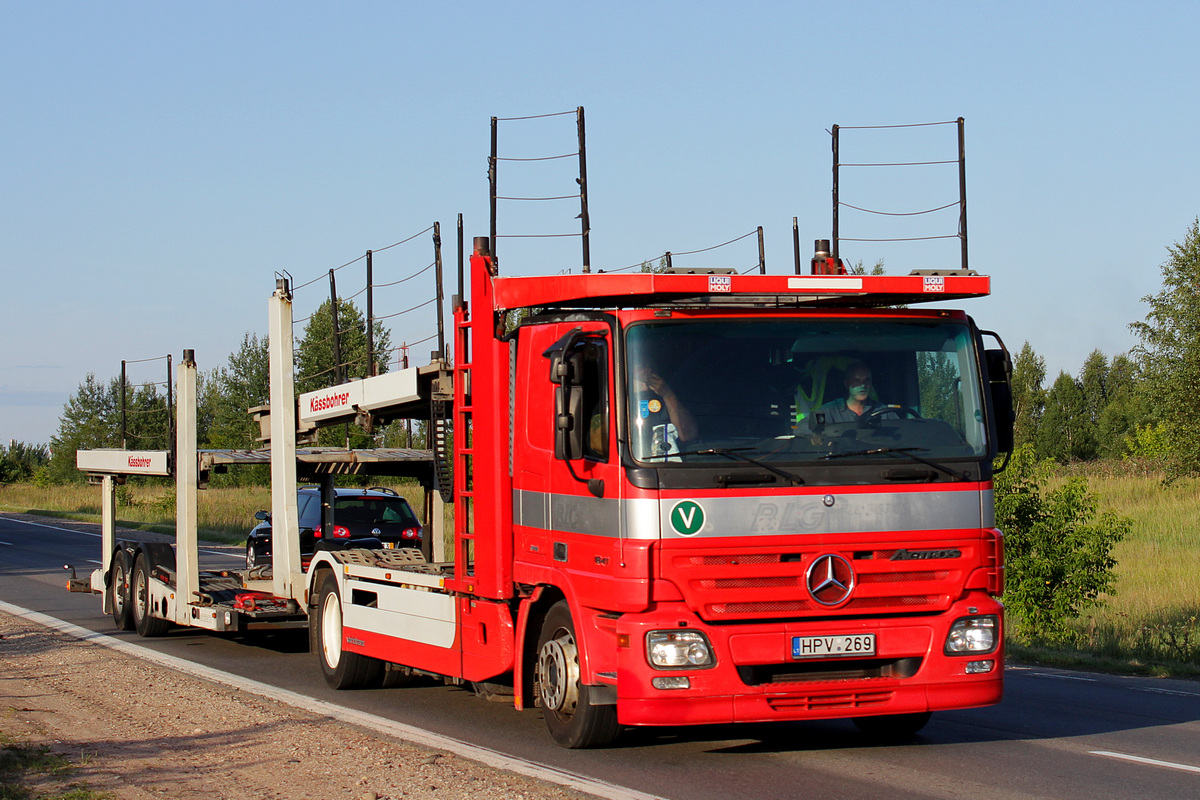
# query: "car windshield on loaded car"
375, 517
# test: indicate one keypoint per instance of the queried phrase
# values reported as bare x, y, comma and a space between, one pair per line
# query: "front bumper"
756, 679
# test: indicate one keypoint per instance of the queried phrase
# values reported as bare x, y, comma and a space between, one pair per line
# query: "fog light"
980, 667
680, 649
671, 682
972, 635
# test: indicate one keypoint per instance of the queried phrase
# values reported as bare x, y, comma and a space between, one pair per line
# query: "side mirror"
999, 378
262, 516
568, 407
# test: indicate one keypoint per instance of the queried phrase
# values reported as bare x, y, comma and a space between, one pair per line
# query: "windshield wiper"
735, 454
907, 453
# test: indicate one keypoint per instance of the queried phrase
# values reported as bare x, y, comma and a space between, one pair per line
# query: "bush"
1058, 550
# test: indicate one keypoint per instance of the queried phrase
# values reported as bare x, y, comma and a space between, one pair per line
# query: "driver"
857, 403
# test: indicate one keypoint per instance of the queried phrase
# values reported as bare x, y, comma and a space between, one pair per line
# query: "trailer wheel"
572, 721
893, 727
139, 596
342, 670
119, 592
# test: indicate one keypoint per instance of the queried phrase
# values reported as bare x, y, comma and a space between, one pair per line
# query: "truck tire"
564, 698
893, 727
119, 592
342, 670
139, 595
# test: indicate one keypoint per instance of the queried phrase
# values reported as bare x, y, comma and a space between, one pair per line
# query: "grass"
23, 764
1152, 622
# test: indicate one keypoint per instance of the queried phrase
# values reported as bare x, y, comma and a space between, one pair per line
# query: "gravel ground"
136, 730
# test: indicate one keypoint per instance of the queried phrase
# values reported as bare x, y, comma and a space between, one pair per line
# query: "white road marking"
1063, 677
1154, 762
52, 527
411, 733
7, 544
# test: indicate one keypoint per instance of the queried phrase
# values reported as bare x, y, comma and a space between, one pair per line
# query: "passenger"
661, 422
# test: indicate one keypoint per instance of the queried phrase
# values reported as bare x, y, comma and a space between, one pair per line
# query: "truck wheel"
893, 727
119, 593
139, 597
342, 670
571, 720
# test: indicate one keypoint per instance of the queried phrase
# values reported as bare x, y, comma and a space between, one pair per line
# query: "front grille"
770, 583
829, 670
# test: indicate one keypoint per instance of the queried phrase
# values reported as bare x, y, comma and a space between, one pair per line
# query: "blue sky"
163, 160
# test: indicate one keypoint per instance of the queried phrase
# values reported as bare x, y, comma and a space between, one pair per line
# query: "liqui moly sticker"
935, 283
720, 283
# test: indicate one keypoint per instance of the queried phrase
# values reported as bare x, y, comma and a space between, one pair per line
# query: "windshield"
799, 390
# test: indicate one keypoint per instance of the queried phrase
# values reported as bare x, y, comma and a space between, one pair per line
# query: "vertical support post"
460, 262
187, 545
585, 221
796, 243
338, 372
962, 190
108, 522
171, 444
288, 577
762, 253
328, 506
492, 192
836, 248
437, 525
124, 434
437, 268
371, 371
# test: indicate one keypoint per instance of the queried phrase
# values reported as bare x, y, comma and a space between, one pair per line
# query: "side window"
307, 508
595, 399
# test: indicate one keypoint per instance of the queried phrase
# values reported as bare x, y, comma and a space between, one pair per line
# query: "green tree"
91, 419
1058, 549
317, 366
1169, 353
1065, 433
1124, 411
226, 396
1029, 395
20, 461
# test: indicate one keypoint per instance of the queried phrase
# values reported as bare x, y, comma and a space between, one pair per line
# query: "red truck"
693, 498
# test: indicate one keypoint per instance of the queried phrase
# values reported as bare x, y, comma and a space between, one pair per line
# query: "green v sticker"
687, 517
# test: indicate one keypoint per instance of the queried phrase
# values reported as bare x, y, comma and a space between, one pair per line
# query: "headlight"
678, 649
971, 635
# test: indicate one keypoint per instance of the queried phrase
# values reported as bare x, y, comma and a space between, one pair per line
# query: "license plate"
858, 644
389, 545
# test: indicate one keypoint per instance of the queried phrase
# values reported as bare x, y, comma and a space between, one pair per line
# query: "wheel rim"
118, 595
331, 630
140, 607
558, 673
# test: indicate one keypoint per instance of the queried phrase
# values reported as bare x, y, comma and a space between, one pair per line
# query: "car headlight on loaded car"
972, 635
679, 649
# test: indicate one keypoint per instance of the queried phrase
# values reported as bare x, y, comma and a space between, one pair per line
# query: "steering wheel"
903, 410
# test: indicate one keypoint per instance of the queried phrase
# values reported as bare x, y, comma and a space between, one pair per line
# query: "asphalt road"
1057, 734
